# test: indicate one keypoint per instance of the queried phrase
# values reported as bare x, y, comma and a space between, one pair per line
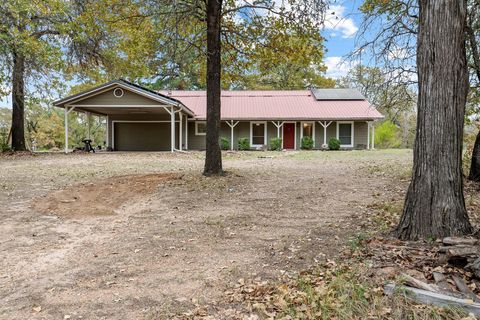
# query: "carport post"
172, 127
66, 129
186, 132
88, 124
67, 111
180, 136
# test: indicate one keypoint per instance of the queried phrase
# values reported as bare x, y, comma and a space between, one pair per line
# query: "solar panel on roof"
337, 94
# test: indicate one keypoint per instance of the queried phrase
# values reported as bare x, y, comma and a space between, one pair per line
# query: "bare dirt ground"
145, 235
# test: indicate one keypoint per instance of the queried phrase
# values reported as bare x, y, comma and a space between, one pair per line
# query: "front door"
289, 136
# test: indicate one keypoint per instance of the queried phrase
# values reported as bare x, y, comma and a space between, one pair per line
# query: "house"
139, 119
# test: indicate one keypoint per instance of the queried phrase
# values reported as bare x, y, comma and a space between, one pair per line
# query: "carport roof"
151, 94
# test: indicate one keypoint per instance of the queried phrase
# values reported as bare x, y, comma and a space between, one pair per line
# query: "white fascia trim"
112, 85
139, 91
196, 128
264, 133
352, 133
295, 135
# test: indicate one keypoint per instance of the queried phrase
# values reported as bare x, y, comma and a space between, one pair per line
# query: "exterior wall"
242, 130
332, 131
164, 118
194, 142
361, 135
131, 117
128, 98
318, 135
271, 132
134, 136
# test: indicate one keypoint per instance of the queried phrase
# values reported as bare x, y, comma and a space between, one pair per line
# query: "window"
345, 133
308, 129
200, 128
258, 133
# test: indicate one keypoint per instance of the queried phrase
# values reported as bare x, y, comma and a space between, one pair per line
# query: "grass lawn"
145, 235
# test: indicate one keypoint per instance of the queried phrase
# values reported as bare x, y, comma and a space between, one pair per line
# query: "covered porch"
353, 134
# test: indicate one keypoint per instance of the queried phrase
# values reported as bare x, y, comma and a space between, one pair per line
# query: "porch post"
180, 131
373, 136
186, 132
325, 125
172, 129
325, 135
231, 137
66, 129
368, 135
278, 124
231, 125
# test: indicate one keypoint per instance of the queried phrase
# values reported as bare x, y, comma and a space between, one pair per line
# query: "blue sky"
342, 22
341, 27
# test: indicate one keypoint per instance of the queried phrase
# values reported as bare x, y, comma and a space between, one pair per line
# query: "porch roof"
283, 105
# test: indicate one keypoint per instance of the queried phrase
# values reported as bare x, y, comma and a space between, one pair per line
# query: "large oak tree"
434, 205
41, 42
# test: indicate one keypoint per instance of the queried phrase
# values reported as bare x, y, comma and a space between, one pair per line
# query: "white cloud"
336, 68
335, 20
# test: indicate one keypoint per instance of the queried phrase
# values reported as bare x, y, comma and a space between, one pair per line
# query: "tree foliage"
45, 42
394, 99
259, 51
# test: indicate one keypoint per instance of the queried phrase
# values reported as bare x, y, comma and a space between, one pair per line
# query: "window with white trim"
200, 128
345, 134
258, 133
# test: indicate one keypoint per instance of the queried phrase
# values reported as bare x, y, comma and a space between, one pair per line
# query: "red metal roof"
281, 105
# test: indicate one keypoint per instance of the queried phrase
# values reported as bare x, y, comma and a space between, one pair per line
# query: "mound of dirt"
100, 198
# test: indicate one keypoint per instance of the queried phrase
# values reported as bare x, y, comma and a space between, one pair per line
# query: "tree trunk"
213, 157
475, 166
434, 205
18, 100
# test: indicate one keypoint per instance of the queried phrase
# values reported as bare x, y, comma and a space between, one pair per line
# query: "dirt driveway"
144, 235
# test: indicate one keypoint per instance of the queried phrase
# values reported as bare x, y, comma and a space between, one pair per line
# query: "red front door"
289, 136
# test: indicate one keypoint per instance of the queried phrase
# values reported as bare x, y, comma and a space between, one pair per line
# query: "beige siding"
225, 131
141, 136
242, 130
194, 142
271, 132
128, 98
361, 135
133, 117
332, 131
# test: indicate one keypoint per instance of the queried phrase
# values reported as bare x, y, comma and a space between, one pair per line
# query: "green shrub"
307, 143
4, 147
243, 144
334, 144
276, 144
387, 135
224, 143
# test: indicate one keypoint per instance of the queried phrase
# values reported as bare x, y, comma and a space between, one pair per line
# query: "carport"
138, 119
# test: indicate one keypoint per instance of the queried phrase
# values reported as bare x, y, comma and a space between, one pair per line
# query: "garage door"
142, 136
